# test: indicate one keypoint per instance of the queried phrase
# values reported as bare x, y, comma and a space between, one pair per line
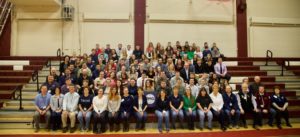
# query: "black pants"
113, 119
227, 77
55, 120
220, 116
280, 114
125, 119
99, 121
249, 113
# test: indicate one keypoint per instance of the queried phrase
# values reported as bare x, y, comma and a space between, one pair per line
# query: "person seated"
254, 87
138, 52
231, 108
189, 106
84, 76
85, 109
132, 88
163, 86
174, 79
42, 106
140, 107
51, 84
114, 102
206, 50
162, 110
247, 105
194, 87
100, 112
217, 106
176, 104
64, 65
67, 75
126, 108
221, 70
204, 103
70, 106
56, 104
263, 105
279, 104
53, 72
84, 86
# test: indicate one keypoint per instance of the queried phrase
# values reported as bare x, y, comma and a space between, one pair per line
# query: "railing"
59, 53
49, 64
19, 96
5, 10
269, 54
35, 77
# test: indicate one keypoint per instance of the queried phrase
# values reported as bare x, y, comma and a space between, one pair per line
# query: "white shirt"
100, 104
129, 53
139, 81
217, 101
194, 90
70, 102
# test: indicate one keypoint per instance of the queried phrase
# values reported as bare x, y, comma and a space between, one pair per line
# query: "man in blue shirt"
231, 107
42, 105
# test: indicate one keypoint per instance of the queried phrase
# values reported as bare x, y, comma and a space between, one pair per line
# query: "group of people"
176, 83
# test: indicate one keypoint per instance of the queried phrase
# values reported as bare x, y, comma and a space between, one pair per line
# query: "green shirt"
189, 103
190, 55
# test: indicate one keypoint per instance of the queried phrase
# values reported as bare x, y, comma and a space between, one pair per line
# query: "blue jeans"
236, 116
174, 116
202, 116
272, 116
87, 119
160, 117
141, 120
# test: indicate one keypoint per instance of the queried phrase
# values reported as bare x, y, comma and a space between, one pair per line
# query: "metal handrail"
49, 64
35, 77
268, 56
59, 53
18, 88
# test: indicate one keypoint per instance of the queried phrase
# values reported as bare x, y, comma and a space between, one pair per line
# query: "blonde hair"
113, 97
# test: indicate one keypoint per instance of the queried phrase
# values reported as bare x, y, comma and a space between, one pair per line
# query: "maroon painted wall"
5, 39
242, 43
139, 21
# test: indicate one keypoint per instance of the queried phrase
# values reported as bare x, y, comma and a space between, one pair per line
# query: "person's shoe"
223, 129
237, 127
279, 126
37, 130
64, 130
81, 129
230, 126
174, 127
209, 128
95, 131
137, 129
271, 125
245, 126
72, 130
117, 128
289, 125
256, 127
99, 131
160, 131
201, 128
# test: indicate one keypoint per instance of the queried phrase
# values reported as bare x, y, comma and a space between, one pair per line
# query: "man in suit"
185, 72
221, 70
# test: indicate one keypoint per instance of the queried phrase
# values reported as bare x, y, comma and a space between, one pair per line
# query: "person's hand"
265, 111
255, 110
113, 113
242, 111
177, 111
84, 113
232, 112
190, 110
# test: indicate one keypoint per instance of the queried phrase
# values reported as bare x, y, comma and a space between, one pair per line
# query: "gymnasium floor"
265, 131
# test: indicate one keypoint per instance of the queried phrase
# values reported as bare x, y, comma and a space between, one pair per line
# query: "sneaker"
230, 126
81, 129
256, 127
209, 128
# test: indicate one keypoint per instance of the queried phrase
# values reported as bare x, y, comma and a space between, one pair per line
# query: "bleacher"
12, 117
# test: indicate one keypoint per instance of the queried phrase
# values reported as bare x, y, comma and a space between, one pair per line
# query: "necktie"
143, 83
221, 70
187, 74
57, 103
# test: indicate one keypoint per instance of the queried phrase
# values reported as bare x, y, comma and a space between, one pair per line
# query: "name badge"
245, 97
230, 104
164, 111
275, 96
84, 109
205, 107
122, 100
44, 107
49, 91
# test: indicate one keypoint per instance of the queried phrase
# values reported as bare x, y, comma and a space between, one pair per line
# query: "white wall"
194, 27
283, 41
30, 34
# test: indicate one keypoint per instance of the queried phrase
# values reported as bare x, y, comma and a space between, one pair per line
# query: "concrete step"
15, 120
292, 86
263, 63
26, 108
16, 114
287, 79
278, 73
267, 68
17, 103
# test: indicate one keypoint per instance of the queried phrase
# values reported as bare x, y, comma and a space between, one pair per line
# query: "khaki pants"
64, 118
36, 118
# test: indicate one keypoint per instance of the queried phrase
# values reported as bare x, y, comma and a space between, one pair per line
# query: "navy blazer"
230, 102
136, 102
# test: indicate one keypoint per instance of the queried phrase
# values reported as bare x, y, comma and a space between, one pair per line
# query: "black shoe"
99, 131
64, 130
174, 127
289, 125
245, 126
210, 129
223, 129
201, 128
271, 125
279, 126
72, 130
37, 130
256, 127
94, 131
117, 129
